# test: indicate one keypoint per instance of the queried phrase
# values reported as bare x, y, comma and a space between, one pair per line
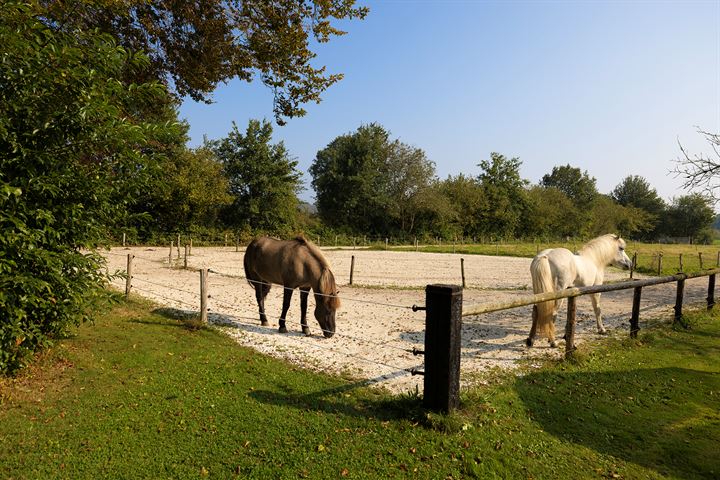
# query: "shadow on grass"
666, 419
338, 400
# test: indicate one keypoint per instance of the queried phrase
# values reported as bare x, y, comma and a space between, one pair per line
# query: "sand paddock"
375, 326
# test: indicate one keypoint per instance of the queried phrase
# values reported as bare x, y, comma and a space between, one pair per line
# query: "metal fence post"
443, 324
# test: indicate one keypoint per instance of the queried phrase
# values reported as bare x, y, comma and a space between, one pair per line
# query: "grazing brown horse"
295, 263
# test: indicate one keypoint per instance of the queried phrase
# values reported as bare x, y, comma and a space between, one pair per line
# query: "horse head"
326, 303
621, 260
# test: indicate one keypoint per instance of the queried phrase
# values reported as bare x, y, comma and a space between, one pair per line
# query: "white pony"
556, 269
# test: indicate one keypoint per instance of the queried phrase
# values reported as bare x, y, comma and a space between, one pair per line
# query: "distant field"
647, 253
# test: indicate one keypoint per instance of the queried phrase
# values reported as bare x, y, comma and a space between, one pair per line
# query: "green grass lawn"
139, 395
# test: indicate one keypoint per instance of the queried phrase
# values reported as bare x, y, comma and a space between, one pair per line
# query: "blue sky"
609, 87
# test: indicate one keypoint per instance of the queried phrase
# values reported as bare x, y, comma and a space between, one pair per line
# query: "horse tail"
327, 286
542, 282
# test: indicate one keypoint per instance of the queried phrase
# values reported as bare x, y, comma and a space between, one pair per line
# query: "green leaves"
70, 145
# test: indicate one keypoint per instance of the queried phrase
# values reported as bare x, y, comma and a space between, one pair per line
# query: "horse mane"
326, 283
602, 248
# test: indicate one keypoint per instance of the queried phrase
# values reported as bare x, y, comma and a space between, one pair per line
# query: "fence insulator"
417, 351
416, 308
415, 371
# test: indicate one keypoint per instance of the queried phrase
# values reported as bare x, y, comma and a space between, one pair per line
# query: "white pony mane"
602, 249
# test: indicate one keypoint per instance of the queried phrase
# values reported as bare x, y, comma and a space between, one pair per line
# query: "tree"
609, 216
468, 200
698, 171
689, 215
577, 185
71, 146
190, 192
196, 45
263, 179
505, 195
551, 214
635, 191
369, 184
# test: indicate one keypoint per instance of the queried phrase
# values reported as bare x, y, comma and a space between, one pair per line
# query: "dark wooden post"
635, 319
462, 270
711, 292
634, 265
660, 255
352, 268
679, 300
570, 327
178, 247
681, 263
128, 280
186, 255
203, 295
443, 325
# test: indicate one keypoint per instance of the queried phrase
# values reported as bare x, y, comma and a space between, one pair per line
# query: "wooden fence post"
633, 266
190, 249
352, 267
443, 325
178, 247
128, 280
386, 243
186, 255
570, 327
711, 292
203, 295
225, 244
681, 263
660, 255
237, 244
170, 255
635, 318
701, 261
123, 240
679, 300
462, 270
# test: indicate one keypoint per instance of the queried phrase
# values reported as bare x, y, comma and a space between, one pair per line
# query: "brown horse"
295, 263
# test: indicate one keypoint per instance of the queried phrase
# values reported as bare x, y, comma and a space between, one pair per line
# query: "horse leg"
531, 338
287, 295
303, 310
261, 291
558, 306
598, 313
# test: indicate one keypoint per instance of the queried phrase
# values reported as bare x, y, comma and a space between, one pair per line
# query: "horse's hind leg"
261, 291
598, 313
531, 338
303, 310
287, 295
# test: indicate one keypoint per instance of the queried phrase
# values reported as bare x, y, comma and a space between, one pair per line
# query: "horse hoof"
264, 323
306, 331
282, 329
553, 344
602, 332
529, 342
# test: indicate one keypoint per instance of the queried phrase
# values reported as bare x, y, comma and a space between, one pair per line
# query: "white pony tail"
542, 282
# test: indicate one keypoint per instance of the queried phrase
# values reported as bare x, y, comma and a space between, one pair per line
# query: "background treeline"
369, 184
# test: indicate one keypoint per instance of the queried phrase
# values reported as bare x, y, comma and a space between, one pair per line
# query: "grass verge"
141, 395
